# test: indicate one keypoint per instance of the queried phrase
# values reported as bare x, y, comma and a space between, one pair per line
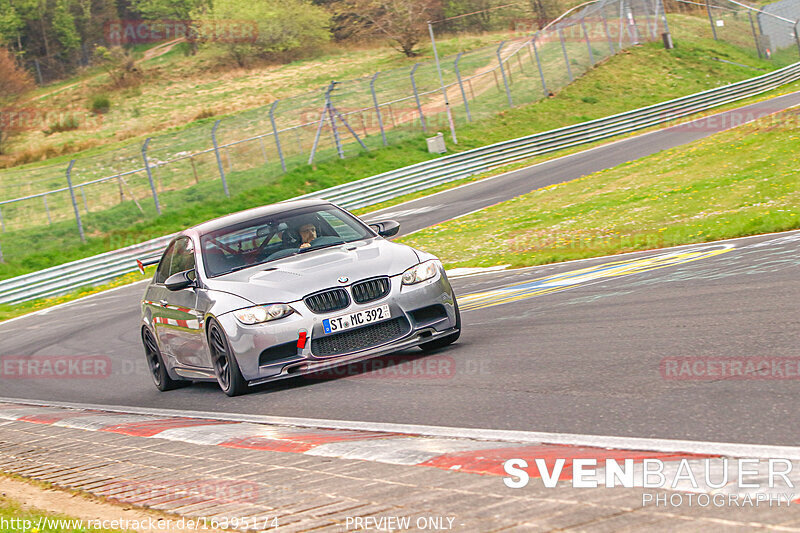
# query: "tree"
64, 28
14, 82
11, 24
404, 22
264, 27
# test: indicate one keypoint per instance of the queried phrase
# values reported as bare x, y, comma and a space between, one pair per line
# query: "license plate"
354, 320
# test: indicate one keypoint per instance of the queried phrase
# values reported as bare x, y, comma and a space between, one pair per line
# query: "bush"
100, 104
280, 27
68, 123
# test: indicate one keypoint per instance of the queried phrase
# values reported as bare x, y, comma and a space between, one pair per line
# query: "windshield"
266, 239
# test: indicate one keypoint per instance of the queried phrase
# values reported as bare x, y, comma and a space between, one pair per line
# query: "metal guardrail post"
503, 73
588, 42
150, 175
711, 19
539, 65
564, 51
219, 159
47, 210
461, 86
416, 97
275, 133
377, 107
75, 202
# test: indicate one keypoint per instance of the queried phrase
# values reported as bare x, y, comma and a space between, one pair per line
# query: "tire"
226, 368
155, 361
447, 340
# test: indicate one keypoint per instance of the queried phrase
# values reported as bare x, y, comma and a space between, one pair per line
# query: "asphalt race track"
580, 347
437, 208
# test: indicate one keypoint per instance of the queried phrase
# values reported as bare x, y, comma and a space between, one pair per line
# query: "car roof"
256, 212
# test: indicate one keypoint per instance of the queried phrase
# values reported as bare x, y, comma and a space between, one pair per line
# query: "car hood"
290, 279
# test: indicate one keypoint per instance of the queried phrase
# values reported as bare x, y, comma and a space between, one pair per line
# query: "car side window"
162, 272
342, 228
183, 257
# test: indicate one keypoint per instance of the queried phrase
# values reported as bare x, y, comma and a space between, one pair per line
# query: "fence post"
588, 41
329, 108
85, 203
2, 221
608, 34
503, 72
416, 97
219, 159
564, 50
275, 133
150, 175
38, 71
47, 210
263, 149
377, 107
755, 36
539, 65
711, 20
317, 134
444, 89
461, 86
664, 17
74, 202
797, 35
1, 255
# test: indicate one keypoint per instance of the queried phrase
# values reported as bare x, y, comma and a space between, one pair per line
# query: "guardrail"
379, 188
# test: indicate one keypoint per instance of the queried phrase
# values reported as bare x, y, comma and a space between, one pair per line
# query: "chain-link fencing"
256, 147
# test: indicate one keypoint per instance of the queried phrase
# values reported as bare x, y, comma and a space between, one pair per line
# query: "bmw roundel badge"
343, 279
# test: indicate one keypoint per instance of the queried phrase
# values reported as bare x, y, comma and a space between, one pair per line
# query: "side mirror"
385, 228
181, 280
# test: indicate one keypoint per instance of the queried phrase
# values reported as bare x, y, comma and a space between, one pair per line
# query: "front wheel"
226, 368
446, 340
155, 361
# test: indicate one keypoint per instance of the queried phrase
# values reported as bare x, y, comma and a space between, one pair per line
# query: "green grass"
177, 88
29, 520
732, 184
623, 82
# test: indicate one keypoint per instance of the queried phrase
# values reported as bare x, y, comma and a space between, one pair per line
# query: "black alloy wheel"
155, 361
226, 368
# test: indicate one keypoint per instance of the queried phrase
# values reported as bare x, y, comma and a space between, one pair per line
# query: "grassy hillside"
736, 183
640, 76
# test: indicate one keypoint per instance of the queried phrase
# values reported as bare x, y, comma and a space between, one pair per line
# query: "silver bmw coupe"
289, 289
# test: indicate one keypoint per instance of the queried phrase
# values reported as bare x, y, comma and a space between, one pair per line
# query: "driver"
308, 232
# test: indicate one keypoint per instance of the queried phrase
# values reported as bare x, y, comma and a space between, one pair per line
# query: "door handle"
163, 303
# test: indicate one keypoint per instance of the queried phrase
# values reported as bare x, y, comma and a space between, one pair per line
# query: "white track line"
759, 451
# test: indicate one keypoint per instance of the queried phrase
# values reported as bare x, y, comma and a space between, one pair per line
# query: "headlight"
421, 272
262, 313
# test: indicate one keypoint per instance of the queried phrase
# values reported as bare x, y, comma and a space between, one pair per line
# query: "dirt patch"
36, 496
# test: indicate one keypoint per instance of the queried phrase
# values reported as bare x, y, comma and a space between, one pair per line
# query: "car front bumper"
266, 352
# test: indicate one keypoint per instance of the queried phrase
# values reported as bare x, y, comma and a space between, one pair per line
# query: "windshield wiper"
237, 269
